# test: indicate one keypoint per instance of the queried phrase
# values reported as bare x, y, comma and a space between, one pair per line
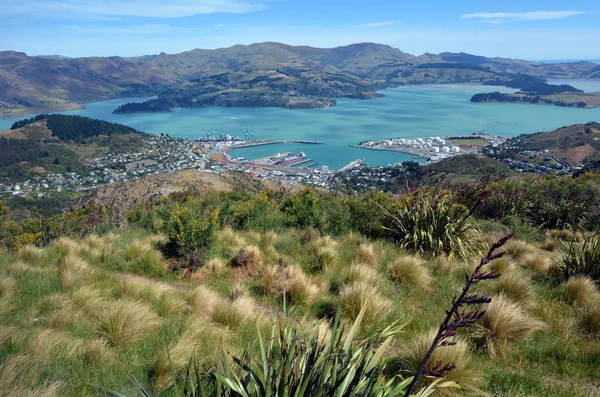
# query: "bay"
405, 112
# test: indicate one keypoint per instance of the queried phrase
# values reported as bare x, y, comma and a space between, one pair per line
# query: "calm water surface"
414, 111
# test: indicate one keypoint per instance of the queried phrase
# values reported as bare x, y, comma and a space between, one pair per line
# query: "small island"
571, 99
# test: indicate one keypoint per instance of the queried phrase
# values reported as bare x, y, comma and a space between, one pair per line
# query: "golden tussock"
126, 321
582, 290
442, 265
7, 334
411, 355
503, 322
501, 265
358, 272
89, 300
516, 286
200, 340
232, 313
299, 288
32, 255
366, 254
20, 377
7, 290
65, 246
203, 301
145, 256
269, 238
409, 270
72, 269
537, 261
354, 297
96, 351
50, 342
67, 316
591, 319
518, 249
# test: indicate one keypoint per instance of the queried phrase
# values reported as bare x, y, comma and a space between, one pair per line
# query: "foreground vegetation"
90, 299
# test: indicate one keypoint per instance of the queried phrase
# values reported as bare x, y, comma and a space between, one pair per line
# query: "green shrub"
431, 222
192, 227
304, 209
325, 308
582, 260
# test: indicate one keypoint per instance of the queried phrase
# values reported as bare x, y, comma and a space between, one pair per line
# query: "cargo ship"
293, 158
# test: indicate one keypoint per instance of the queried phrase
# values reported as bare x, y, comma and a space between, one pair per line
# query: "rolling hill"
41, 84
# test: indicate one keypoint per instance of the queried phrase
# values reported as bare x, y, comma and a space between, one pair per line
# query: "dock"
243, 144
353, 164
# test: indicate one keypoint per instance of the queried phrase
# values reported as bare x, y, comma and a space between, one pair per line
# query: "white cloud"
219, 26
378, 24
503, 17
147, 29
133, 8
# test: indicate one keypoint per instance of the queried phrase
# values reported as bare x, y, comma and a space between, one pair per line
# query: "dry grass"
171, 304
203, 301
366, 254
233, 313
582, 290
501, 265
518, 249
66, 317
215, 265
126, 321
65, 246
88, 299
269, 238
325, 242
72, 269
7, 290
144, 255
326, 257
270, 279
516, 286
199, 339
442, 265
231, 239
21, 378
49, 342
591, 319
7, 334
412, 354
299, 288
354, 297
503, 322
32, 255
409, 270
537, 261
358, 272
95, 352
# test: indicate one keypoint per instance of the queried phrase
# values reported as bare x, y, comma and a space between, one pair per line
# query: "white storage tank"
455, 149
446, 149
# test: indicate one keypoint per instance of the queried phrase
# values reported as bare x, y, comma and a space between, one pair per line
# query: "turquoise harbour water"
412, 111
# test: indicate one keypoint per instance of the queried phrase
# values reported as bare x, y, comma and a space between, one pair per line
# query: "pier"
242, 144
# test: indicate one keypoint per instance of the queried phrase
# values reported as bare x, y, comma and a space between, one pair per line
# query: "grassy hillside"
105, 294
574, 144
59, 144
42, 84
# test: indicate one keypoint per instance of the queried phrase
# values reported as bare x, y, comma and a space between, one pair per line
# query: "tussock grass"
65, 246
442, 265
233, 313
96, 352
203, 301
591, 319
536, 261
325, 242
326, 257
501, 265
269, 238
199, 339
358, 272
21, 378
231, 239
32, 255
88, 299
269, 279
518, 249
411, 355
409, 270
142, 289
215, 265
145, 257
72, 269
66, 317
7, 334
354, 297
126, 321
171, 304
515, 286
299, 288
7, 290
503, 322
50, 342
366, 254
582, 290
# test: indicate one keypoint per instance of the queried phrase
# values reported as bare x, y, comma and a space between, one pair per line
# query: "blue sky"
521, 29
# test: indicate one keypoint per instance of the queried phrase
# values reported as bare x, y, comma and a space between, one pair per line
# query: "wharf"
274, 142
297, 163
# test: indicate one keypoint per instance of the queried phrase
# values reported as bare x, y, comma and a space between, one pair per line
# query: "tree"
56, 161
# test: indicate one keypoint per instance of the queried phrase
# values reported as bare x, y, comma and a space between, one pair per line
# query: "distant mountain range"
267, 74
